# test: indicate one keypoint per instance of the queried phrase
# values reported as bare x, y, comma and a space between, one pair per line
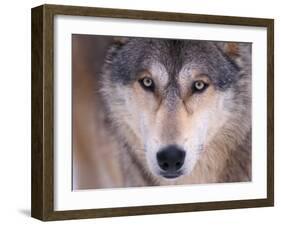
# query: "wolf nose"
170, 159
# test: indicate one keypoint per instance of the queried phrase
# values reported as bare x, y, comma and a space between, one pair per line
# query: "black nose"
170, 159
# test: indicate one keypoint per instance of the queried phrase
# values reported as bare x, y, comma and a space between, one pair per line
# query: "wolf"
180, 110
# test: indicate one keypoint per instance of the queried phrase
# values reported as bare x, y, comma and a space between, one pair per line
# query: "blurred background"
95, 162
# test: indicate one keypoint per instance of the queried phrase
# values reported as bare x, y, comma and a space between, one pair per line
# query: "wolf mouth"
171, 175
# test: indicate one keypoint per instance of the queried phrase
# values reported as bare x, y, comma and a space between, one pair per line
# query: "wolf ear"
240, 53
120, 40
232, 49
116, 45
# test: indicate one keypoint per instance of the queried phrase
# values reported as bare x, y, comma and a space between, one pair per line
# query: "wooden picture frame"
42, 203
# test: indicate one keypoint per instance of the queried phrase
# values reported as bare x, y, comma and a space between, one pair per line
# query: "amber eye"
147, 84
199, 86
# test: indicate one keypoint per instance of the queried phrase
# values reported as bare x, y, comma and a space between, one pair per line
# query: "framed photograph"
141, 112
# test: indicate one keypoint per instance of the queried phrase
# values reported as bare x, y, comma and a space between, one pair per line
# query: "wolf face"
169, 99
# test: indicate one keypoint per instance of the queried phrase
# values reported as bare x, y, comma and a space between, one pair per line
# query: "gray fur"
138, 53
230, 75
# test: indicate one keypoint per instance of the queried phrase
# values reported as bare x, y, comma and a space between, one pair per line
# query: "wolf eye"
199, 86
147, 83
